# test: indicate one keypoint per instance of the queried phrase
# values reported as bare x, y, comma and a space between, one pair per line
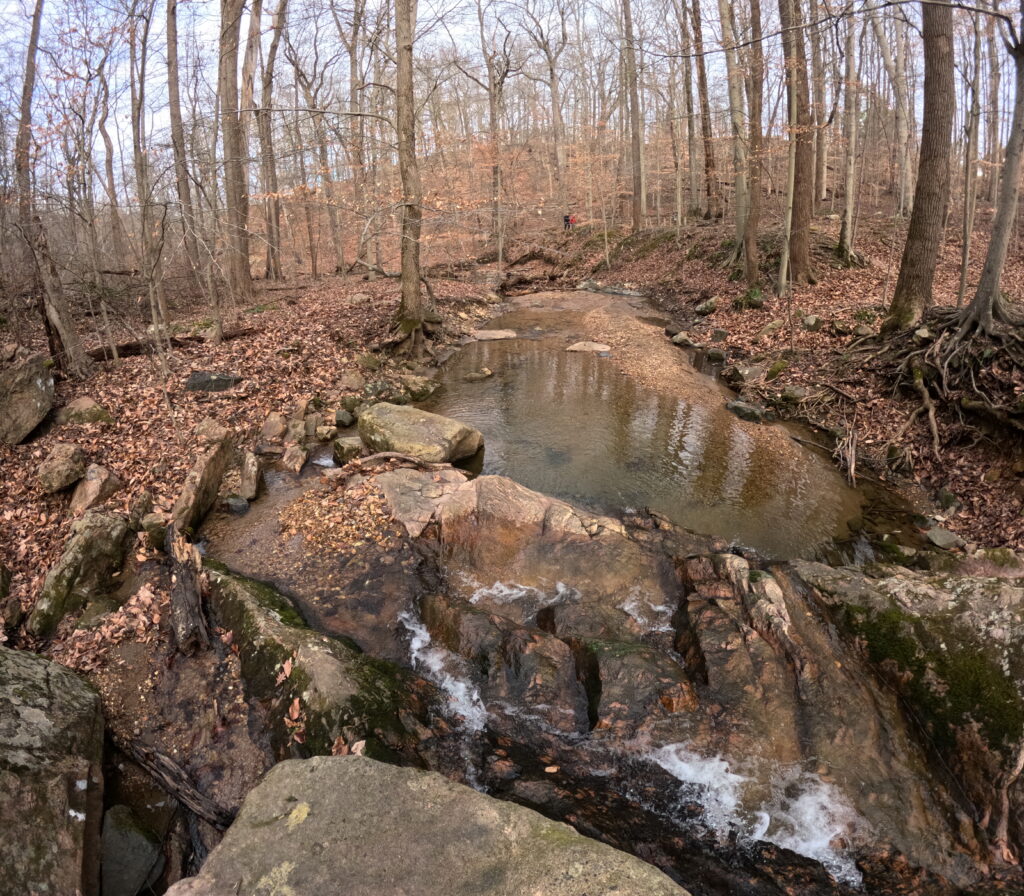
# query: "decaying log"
137, 347
187, 619
176, 781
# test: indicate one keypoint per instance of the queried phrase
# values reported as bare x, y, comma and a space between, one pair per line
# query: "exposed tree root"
959, 361
391, 459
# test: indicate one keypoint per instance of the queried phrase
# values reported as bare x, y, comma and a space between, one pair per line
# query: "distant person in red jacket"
572, 221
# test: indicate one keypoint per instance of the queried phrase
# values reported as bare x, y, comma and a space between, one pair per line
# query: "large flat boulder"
51, 780
407, 430
352, 825
26, 395
88, 567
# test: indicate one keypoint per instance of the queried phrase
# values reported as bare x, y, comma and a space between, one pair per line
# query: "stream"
657, 683
576, 426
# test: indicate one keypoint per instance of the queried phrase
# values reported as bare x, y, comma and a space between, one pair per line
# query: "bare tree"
412, 309
988, 307
65, 346
913, 291
239, 276
635, 135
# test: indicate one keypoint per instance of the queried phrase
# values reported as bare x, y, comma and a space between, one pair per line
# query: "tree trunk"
181, 174
851, 111
802, 135
714, 189
970, 164
268, 159
61, 334
987, 306
751, 256
734, 76
913, 291
635, 140
411, 311
237, 236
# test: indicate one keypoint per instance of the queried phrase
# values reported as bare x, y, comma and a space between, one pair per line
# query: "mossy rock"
340, 691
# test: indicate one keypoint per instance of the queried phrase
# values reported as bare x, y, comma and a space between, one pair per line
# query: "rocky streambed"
685, 681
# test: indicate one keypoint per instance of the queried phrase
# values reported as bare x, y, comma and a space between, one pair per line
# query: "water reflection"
571, 425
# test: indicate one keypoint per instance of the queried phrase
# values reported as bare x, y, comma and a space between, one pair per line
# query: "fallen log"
176, 781
137, 347
187, 620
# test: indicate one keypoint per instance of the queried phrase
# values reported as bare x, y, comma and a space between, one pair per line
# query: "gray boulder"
63, 467
378, 828
94, 553
26, 396
51, 779
429, 437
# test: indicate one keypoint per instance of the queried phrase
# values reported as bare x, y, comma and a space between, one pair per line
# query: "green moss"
617, 648
945, 687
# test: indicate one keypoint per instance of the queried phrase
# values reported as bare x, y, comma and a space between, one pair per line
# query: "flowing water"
573, 425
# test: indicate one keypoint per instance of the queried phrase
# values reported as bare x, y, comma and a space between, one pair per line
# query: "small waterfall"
803, 813
442, 667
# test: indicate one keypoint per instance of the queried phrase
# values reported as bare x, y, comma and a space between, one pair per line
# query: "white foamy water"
647, 614
510, 592
435, 663
804, 813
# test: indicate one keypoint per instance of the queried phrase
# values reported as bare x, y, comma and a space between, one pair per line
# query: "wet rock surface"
51, 782
413, 832
656, 691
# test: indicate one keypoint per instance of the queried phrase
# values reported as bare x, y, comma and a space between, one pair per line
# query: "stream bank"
749, 727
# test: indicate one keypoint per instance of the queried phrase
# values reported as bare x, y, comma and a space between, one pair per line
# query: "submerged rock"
51, 778
493, 335
753, 413
132, 856
26, 395
381, 829
589, 347
429, 437
88, 567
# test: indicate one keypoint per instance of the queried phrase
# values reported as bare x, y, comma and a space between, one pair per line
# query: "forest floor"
301, 341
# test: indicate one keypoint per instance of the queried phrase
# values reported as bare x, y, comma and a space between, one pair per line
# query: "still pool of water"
574, 426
